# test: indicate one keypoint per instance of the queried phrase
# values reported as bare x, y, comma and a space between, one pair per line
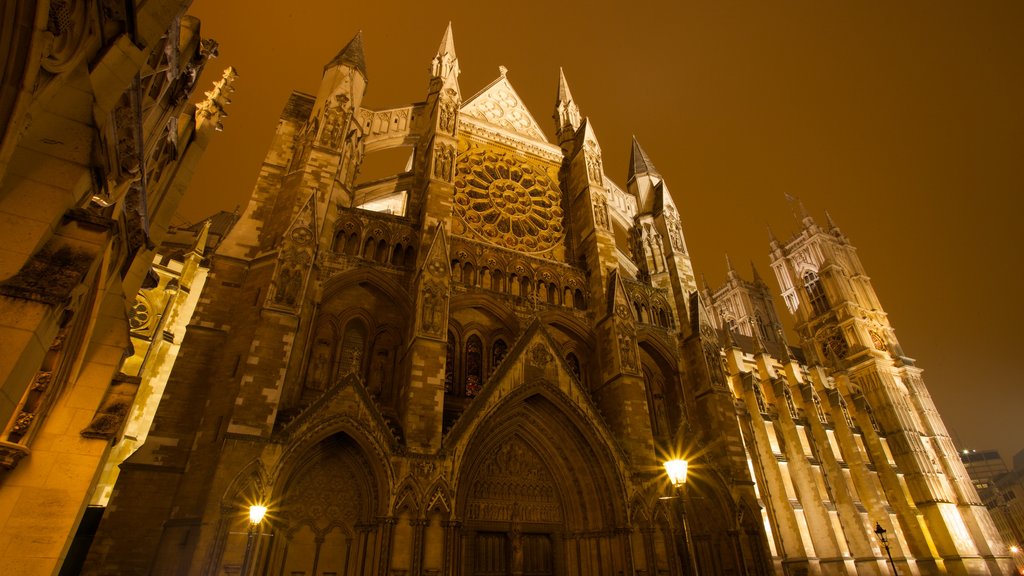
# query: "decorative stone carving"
601, 212
500, 106
877, 340
114, 408
447, 117
139, 317
49, 276
68, 22
675, 229
443, 156
434, 310
513, 484
627, 352
540, 356
505, 199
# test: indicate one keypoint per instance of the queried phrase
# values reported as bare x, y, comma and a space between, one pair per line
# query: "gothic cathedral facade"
477, 366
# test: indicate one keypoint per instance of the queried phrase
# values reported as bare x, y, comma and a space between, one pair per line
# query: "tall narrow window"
846, 413
762, 406
822, 417
474, 365
498, 352
789, 402
574, 366
871, 418
816, 293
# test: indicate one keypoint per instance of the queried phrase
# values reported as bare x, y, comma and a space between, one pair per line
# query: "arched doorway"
539, 495
325, 523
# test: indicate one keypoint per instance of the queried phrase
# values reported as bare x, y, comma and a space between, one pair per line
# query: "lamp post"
881, 538
256, 514
676, 470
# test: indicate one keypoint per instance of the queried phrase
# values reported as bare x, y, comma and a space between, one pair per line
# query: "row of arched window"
376, 247
518, 285
469, 362
658, 314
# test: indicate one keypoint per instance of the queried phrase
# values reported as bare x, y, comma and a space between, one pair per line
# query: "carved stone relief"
434, 308
540, 356
514, 484
443, 157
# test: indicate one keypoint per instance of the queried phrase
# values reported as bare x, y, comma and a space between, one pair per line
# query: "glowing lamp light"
256, 513
676, 470
1014, 549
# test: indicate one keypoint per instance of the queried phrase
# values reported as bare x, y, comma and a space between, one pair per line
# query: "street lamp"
881, 538
676, 470
256, 514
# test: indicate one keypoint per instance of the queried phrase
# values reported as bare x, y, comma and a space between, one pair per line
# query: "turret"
344, 79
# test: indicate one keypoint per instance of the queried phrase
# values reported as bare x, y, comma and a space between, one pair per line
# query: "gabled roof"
500, 105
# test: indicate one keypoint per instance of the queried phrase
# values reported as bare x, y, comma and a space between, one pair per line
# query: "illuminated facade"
97, 148
477, 366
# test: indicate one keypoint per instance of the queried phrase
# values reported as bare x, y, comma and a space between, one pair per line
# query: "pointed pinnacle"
771, 236
351, 55
639, 163
785, 345
831, 223
564, 95
728, 265
757, 277
704, 281
199, 246
447, 42
758, 343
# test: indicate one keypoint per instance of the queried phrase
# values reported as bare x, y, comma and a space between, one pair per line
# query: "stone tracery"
507, 200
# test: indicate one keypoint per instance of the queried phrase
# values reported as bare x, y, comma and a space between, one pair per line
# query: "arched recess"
539, 492
324, 515
358, 331
728, 537
664, 393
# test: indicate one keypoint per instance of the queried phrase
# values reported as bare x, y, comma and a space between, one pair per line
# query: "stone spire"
567, 113
730, 271
643, 178
757, 277
445, 63
639, 163
351, 55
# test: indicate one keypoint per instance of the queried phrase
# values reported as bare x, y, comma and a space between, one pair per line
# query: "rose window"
507, 200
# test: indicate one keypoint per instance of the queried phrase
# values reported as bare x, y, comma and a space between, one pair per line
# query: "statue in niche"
319, 366
380, 376
433, 307
447, 117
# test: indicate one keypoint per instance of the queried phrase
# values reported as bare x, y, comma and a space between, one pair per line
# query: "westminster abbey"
478, 365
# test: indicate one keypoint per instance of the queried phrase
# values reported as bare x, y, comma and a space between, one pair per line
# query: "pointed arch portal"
539, 494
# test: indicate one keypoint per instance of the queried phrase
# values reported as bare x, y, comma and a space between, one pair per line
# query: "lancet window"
816, 293
818, 409
789, 402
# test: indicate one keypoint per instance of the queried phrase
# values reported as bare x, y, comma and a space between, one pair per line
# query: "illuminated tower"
843, 328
